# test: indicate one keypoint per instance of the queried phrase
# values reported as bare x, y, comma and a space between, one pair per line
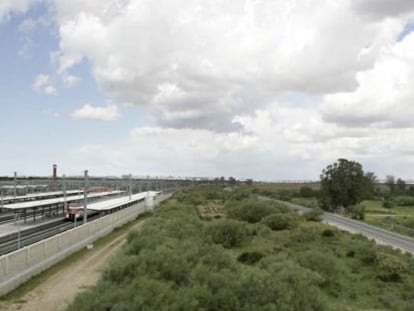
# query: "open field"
399, 219
286, 186
260, 256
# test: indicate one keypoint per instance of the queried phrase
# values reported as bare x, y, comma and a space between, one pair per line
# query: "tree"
232, 181
400, 186
343, 184
370, 187
390, 182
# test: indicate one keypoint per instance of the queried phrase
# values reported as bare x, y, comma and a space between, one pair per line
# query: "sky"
270, 90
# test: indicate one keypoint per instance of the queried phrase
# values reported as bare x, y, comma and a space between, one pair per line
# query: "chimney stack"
54, 171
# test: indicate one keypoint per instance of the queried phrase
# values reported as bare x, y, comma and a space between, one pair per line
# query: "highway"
381, 236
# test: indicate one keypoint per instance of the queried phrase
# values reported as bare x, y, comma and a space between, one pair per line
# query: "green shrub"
215, 258
227, 232
314, 214
323, 263
280, 286
253, 210
305, 233
357, 211
286, 195
404, 200
390, 267
388, 204
350, 253
367, 254
306, 192
328, 233
250, 257
281, 221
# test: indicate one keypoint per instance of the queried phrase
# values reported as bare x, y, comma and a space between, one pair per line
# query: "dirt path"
61, 288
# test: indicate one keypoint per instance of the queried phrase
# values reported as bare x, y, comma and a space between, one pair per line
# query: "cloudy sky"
265, 89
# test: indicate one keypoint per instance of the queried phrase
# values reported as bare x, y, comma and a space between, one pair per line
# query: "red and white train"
75, 211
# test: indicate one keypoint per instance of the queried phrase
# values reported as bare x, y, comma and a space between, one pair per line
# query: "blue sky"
35, 125
271, 90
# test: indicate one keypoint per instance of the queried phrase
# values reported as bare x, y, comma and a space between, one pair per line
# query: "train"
75, 212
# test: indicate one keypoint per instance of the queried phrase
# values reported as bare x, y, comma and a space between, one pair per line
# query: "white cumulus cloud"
87, 111
44, 84
7, 7
199, 63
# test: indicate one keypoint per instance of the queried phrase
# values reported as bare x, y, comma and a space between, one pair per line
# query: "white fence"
19, 266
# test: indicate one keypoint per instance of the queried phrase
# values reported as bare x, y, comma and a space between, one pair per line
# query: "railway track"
12, 242
16, 240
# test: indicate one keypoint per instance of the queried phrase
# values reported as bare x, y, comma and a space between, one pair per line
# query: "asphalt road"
381, 236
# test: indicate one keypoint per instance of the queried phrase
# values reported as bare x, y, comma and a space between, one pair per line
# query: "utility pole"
85, 198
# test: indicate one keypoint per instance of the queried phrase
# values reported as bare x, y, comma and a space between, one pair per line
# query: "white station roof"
41, 195
39, 203
117, 202
23, 186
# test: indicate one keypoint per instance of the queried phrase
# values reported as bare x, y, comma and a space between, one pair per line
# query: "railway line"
26, 236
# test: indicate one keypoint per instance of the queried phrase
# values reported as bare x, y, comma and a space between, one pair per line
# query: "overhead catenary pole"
64, 192
15, 185
130, 186
18, 230
85, 198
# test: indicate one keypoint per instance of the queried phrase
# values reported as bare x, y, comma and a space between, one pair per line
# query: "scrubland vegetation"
252, 255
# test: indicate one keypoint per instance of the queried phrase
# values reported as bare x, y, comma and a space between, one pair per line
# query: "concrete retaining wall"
19, 266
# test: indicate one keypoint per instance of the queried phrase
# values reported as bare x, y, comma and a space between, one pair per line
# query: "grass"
18, 293
399, 219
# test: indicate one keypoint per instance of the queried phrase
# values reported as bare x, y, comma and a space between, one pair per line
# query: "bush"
250, 257
314, 214
323, 263
306, 192
328, 233
404, 200
388, 204
253, 210
367, 254
227, 232
286, 195
357, 211
281, 221
390, 267
305, 233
